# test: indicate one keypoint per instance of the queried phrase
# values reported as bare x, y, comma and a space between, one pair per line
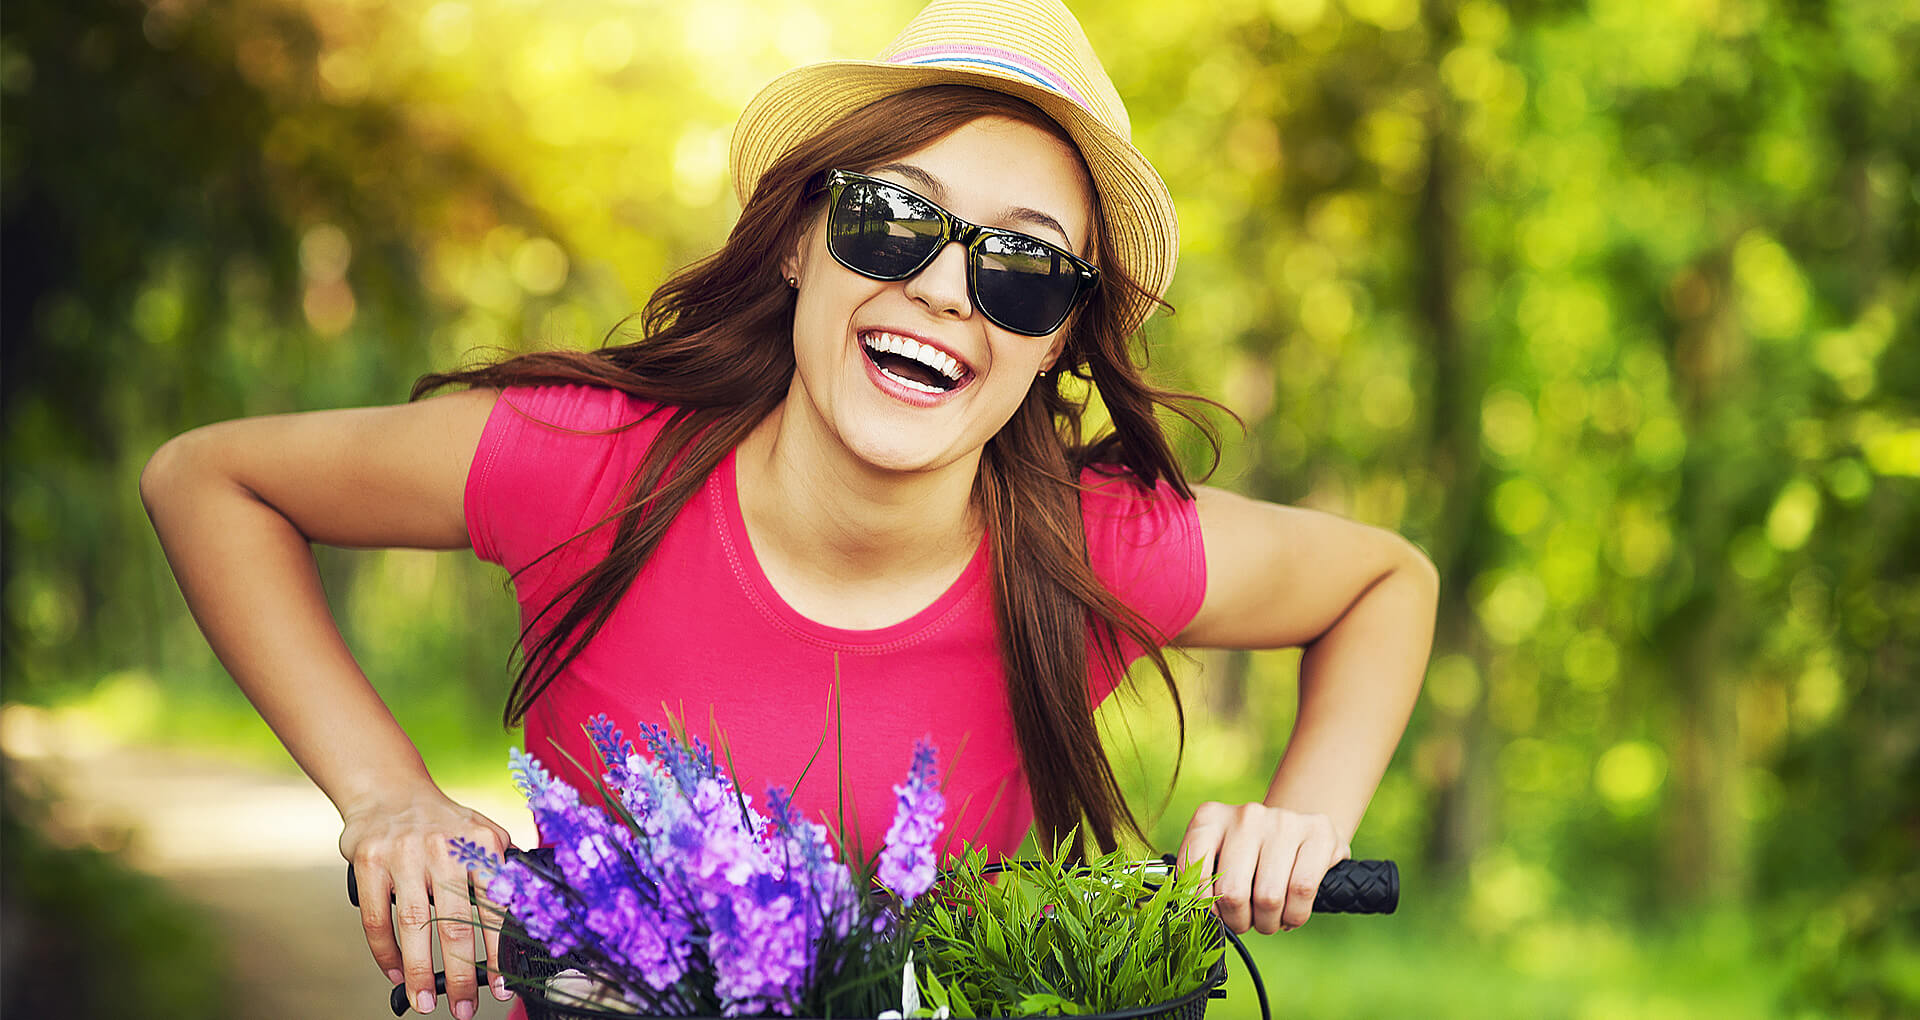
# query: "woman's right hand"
237, 506
398, 846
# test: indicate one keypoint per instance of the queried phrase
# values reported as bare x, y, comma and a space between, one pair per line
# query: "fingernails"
394, 976
424, 1001
500, 988
463, 1009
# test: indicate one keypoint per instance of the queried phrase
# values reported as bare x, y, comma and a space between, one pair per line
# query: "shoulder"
578, 408
1144, 543
1112, 496
550, 459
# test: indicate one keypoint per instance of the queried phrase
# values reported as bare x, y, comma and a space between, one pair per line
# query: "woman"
837, 485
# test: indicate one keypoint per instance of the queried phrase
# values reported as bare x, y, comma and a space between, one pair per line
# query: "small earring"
794, 282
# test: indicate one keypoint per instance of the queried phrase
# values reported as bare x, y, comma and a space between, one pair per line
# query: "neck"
814, 509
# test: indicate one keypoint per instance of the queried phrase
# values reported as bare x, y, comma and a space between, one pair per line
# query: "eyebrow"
930, 184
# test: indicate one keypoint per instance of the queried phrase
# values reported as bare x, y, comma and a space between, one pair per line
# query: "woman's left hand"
1266, 862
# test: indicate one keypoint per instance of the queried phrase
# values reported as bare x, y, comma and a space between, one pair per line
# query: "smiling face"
909, 376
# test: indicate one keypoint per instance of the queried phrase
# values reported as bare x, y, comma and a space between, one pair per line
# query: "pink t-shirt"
703, 634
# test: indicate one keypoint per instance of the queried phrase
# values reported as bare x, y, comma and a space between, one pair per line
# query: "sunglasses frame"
969, 236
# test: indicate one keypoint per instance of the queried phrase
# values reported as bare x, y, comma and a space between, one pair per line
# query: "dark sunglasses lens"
1023, 285
881, 231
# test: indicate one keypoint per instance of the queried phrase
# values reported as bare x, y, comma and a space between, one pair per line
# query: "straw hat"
1032, 49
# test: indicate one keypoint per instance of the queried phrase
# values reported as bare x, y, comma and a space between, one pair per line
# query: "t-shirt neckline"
753, 578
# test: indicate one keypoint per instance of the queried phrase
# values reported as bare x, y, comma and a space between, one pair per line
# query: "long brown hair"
716, 349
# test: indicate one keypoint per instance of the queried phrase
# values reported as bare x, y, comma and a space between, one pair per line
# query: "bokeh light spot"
1751, 556
329, 306
539, 266
325, 253
447, 28
1453, 683
1506, 421
1591, 660
1297, 15
1772, 293
1795, 512
1849, 480
1661, 443
1392, 15
1387, 402
1642, 540
345, 75
1326, 310
1511, 606
1506, 890
1894, 452
1519, 505
158, 313
700, 165
1818, 693
1629, 774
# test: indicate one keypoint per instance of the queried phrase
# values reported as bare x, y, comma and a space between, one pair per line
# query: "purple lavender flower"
688, 763
694, 892
615, 750
907, 863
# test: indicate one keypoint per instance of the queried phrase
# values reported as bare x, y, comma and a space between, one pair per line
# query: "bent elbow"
1420, 567
159, 474
171, 470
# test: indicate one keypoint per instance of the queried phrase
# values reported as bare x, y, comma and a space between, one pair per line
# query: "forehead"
1001, 172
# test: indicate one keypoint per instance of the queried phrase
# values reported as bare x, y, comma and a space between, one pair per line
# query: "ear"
1054, 350
795, 259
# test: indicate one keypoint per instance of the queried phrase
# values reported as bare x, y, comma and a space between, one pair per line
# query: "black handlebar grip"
1359, 887
397, 999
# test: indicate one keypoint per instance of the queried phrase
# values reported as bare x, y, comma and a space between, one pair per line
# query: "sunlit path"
257, 851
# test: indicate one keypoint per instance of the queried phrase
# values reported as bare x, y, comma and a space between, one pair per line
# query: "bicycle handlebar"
1349, 887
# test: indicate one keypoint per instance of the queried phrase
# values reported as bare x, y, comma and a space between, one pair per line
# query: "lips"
912, 364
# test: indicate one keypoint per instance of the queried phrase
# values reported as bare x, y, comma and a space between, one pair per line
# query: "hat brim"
1142, 231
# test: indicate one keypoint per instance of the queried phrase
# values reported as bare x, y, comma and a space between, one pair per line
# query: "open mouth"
912, 364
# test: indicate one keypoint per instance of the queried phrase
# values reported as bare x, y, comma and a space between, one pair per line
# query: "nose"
941, 287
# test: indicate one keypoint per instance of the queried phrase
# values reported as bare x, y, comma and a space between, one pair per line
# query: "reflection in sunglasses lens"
1019, 282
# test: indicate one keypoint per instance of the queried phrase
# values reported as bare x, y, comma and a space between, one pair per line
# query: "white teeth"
907, 347
910, 384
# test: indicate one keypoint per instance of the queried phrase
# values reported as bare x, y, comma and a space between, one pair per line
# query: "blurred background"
1610, 306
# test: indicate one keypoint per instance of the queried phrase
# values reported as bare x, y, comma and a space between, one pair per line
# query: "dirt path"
257, 850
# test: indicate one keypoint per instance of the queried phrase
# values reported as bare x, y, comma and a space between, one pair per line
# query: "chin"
900, 458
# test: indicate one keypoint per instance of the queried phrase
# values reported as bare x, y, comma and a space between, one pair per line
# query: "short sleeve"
1145, 545
551, 462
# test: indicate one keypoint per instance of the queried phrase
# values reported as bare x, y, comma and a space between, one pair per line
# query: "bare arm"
236, 505
1361, 602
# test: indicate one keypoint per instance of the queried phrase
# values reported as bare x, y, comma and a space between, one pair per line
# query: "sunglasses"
1020, 283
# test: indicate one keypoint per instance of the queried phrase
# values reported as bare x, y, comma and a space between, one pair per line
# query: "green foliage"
1050, 936
85, 936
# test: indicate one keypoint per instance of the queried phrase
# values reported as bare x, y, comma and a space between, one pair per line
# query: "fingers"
1238, 866
1202, 839
490, 922
492, 919
376, 917
400, 848
1267, 863
1308, 866
413, 924
454, 919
